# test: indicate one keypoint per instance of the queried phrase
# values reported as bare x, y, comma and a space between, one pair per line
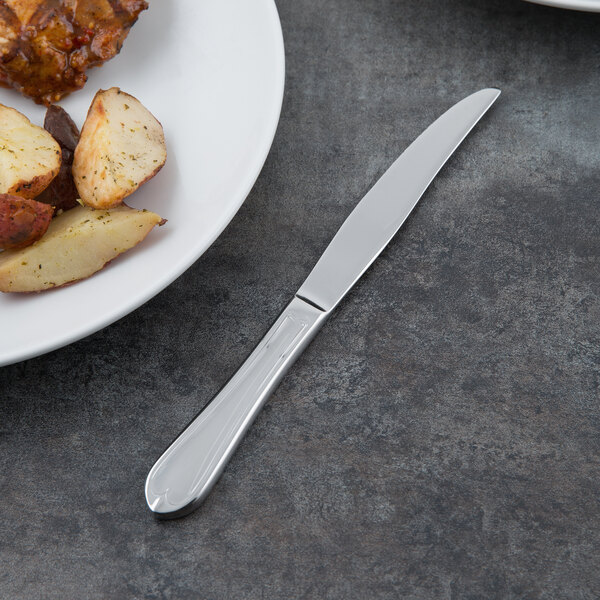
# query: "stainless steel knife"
186, 472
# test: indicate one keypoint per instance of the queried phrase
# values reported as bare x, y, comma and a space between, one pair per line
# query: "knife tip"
494, 91
487, 95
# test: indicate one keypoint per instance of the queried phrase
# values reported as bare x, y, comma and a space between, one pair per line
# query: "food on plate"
47, 45
61, 193
122, 145
29, 155
22, 221
78, 243
62, 128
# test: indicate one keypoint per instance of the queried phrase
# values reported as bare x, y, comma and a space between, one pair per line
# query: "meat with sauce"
46, 46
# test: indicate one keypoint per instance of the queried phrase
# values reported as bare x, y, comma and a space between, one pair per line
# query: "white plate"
213, 73
587, 5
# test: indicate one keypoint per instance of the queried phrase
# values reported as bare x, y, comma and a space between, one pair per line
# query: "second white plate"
213, 73
585, 5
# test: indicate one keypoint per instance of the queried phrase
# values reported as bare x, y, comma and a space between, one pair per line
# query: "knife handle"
186, 472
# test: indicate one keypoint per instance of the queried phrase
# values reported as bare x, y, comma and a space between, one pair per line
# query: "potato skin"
61, 193
62, 128
22, 221
32, 188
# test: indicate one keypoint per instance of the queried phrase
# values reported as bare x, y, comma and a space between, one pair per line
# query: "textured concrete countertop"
440, 437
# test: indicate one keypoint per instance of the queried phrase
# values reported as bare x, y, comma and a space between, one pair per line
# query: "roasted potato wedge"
77, 244
22, 221
29, 156
61, 193
121, 146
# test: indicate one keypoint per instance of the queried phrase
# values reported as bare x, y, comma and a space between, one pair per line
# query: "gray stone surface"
440, 438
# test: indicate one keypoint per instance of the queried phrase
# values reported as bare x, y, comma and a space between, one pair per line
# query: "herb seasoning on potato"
29, 156
122, 146
78, 243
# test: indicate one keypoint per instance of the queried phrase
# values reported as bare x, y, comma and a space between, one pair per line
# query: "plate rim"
582, 5
38, 349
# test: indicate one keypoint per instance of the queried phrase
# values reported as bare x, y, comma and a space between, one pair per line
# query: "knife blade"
188, 469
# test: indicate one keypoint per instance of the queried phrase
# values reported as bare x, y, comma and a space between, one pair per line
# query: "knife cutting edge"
188, 469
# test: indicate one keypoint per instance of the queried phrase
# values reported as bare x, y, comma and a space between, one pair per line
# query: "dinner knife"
186, 472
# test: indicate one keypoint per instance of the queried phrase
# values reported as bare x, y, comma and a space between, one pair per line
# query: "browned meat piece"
61, 193
47, 45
